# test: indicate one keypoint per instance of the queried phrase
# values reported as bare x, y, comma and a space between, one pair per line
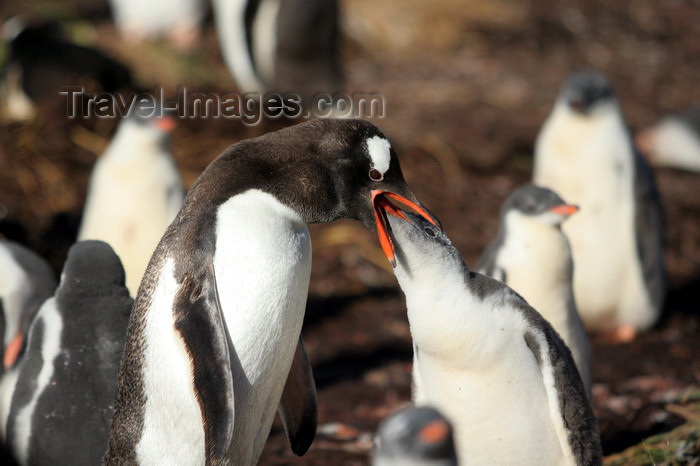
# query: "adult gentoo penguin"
210, 349
281, 45
415, 436
532, 255
135, 192
584, 152
674, 141
62, 406
41, 60
487, 360
26, 282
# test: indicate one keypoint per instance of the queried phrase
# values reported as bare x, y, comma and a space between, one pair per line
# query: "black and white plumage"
281, 45
41, 60
532, 255
62, 406
415, 436
674, 141
135, 192
213, 344
487, 360
585, 153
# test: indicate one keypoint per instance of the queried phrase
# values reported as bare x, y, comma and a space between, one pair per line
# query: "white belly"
128, 207
263, 265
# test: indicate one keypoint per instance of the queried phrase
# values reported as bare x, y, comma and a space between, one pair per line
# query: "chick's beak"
564, 209
382, 207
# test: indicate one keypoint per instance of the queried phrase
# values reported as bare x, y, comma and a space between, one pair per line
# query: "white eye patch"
379, 151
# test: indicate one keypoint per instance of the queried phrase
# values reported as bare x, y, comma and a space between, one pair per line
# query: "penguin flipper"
199, 319
298, 408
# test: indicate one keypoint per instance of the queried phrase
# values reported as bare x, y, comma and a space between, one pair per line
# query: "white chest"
263, 265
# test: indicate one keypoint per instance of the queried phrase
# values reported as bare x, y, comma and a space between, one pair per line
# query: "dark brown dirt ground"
467, 86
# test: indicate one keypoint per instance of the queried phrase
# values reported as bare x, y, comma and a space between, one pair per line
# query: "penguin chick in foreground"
213, 346
135, 192
584, 153
63, 402
415, 436
674, 141
487, 360
532, 255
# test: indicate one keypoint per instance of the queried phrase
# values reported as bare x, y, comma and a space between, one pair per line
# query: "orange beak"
12, 351
564, 209
165, 123
435, 432
382, 206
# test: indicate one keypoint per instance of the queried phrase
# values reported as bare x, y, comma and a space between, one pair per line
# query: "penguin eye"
376, 175
430, 232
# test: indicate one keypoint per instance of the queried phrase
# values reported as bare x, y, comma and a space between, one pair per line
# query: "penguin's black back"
47, 61
72, 418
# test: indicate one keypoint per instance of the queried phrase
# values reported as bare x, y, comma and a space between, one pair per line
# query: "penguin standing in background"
281, 45
486, 359
415, 437
135, 192
213, 346
584, 152
674, 141
63, 402
41, 60
26, 281
178, 20
532, 255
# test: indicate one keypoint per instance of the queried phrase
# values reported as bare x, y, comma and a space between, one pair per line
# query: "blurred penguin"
674, 141
584, 152
415, 437
135, 192
62, 407
41, 60
179, 21
532, 255
281, 45
26, 282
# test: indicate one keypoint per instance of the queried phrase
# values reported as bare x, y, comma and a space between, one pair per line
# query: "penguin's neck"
133, 145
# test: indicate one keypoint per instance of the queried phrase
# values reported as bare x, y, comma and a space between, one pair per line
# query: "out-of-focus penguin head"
586, 90
536, 204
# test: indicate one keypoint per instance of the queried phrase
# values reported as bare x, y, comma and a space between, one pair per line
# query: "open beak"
564, 209
382, 206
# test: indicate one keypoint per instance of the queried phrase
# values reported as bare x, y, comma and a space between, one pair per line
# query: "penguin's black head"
584, 89
535, 202
91, 265
349, 169
416, 434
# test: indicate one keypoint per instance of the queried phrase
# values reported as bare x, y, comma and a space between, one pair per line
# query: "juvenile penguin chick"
135, 192
415, 436
63, 402
213, 346
532, 255
487, 360
584, 153
674, 141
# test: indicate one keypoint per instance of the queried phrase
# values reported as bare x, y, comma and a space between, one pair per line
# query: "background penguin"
585, 154
135, 192
212, 339
41, 60
281, 45
487, 360
415, 437
63, 404
674, 141
26, 281
178, 20
532, 255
